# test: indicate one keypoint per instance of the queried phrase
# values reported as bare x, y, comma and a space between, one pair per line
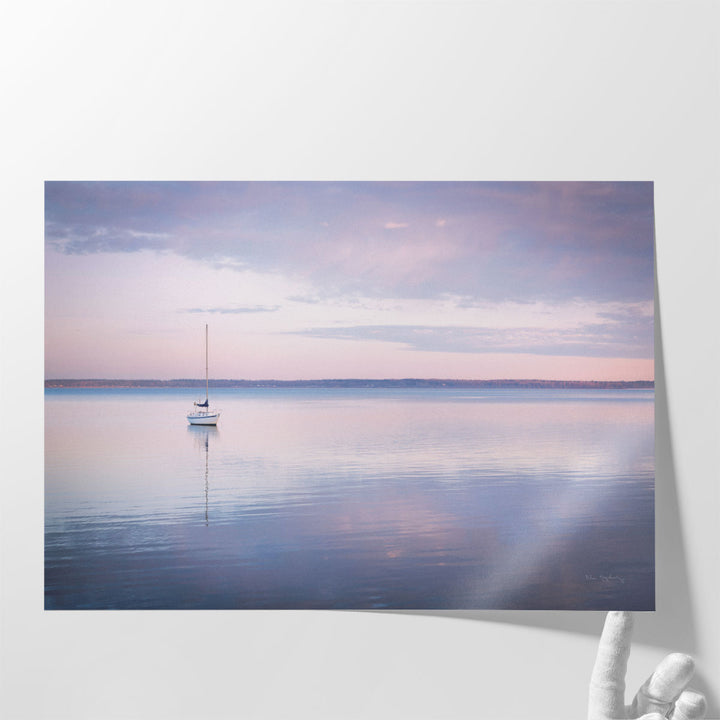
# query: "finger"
653, 716
662, 688
690, 705
607, 683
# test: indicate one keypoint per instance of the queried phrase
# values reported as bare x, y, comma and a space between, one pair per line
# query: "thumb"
653, 716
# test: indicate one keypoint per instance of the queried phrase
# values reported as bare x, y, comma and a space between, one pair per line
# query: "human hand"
662, 695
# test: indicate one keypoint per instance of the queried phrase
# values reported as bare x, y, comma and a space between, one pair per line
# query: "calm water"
373, 498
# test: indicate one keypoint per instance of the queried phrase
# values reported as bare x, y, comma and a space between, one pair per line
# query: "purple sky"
311, 280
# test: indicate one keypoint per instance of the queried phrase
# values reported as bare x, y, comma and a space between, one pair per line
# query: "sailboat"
203, 414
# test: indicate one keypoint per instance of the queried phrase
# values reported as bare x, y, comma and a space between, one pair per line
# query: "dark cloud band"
630, 339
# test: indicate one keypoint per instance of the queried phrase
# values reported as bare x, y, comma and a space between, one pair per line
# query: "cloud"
482, 241
305, 299
78, 240
232, 310
609, 340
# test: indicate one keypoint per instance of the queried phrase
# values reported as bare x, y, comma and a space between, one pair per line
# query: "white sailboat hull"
204, 418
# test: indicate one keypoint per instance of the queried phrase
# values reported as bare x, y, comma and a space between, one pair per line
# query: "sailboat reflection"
201, 437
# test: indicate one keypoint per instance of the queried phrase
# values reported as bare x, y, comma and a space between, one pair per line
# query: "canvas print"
351, 395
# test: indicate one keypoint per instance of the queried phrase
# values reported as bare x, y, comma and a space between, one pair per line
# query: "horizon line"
347, 379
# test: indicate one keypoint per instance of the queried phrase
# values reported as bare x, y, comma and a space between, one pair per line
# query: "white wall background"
361, 90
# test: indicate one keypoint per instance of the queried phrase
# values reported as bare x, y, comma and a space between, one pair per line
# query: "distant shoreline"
356, 383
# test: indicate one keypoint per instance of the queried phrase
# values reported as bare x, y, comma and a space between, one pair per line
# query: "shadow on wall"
672, 626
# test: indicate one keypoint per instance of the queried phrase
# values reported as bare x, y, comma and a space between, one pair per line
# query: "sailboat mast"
207, 382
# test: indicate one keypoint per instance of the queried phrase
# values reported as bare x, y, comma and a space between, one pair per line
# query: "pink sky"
318, 280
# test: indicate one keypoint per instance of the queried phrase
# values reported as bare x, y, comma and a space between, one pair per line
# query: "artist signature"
604, 578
